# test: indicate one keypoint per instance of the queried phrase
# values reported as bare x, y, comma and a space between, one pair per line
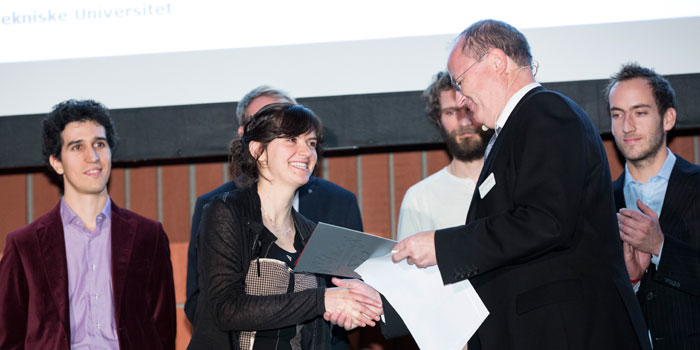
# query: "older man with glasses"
540, 243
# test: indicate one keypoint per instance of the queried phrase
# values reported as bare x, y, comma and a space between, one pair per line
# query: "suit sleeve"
223, 271
539, 207
679, 266
192, 288
14, 295
162, 292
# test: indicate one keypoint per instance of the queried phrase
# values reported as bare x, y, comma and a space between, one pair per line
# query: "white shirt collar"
512, 102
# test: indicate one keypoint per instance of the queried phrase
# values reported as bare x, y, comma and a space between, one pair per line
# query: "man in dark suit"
319, 200
541, 245
662, 252
88, 273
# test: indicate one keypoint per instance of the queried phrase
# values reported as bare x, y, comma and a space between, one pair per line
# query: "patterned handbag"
269, 277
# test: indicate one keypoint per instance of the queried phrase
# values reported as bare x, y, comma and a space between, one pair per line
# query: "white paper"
438, 316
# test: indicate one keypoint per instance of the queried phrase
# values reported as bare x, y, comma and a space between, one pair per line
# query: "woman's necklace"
277, 230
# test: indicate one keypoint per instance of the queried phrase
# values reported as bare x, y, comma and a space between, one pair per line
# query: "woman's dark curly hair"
277, 120
74, 111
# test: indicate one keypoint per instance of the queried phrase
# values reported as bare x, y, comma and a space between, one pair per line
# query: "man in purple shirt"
88, 274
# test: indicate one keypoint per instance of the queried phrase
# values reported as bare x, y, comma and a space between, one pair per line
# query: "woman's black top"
278, 339
231, 236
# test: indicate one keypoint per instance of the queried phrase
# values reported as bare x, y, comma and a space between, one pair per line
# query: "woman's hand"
370, 308
352, 308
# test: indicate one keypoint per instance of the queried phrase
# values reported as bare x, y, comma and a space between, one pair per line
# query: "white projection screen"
141, 53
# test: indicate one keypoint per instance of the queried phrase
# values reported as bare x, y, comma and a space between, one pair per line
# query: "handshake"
355, 304
352, 304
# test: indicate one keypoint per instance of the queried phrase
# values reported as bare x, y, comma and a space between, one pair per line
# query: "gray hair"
484, 35
262, 90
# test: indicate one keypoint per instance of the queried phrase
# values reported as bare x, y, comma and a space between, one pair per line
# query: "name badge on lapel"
487, 185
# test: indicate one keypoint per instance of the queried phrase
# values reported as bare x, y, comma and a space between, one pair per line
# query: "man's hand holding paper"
418, 249
446, 324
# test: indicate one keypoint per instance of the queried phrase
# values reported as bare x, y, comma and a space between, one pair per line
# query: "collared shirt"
90, 296
512, 102
652, 193
505, 113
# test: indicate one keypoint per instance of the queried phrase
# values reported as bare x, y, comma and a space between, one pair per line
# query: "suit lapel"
487, 169
123, 236
676, 199
53, 253
488, 162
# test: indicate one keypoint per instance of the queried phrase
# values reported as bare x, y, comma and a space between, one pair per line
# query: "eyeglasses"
457, 83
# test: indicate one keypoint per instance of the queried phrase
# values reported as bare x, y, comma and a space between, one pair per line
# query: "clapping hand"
641, 230
636, 261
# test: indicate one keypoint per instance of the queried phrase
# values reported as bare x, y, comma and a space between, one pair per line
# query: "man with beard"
442, 199
662, 253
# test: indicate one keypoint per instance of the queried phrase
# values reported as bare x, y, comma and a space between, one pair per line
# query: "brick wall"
167, 193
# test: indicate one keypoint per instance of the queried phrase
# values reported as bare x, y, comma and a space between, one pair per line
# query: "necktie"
492, 141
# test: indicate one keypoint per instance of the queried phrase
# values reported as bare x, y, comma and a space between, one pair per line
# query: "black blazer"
319, 200
542, 247
231, 236
670, 295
